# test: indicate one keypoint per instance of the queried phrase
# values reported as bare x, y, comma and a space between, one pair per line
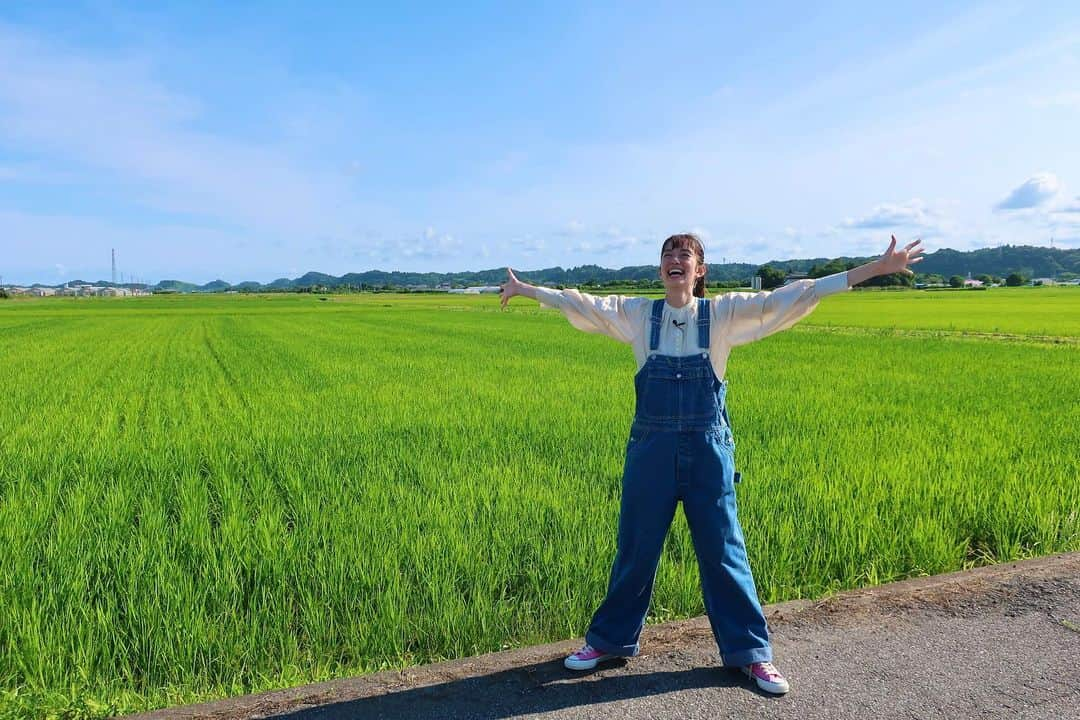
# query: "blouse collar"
688, 306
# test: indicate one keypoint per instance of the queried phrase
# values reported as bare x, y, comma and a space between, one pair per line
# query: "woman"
681, 447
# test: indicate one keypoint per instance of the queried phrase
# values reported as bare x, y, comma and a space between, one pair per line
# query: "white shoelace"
769, 669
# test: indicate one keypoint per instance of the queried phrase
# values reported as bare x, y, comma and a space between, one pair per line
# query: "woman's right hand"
510, 288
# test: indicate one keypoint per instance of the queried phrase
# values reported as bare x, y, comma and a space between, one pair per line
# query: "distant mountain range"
1000, 261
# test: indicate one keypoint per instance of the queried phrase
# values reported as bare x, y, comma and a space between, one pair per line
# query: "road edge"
927, 589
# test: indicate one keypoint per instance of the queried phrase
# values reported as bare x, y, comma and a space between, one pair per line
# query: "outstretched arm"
616, 316
752, 316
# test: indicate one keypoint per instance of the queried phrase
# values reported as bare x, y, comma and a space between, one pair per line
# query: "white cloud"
526, 244
865, 245
1035, 191
613, 240
141, 138
428, 244
618, 244
1071, 207
913, 213
761, 249
1067, 220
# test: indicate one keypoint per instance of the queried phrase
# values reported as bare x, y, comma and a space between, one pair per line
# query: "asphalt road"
997, 642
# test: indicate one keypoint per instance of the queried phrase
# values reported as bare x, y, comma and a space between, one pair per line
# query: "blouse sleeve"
617, 316
748, 317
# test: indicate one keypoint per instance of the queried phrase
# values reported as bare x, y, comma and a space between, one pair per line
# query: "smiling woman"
681, 447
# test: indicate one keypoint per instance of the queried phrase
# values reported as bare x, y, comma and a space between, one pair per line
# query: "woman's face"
679, 268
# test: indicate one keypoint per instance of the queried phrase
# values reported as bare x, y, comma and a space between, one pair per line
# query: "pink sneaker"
767, 677
585, 658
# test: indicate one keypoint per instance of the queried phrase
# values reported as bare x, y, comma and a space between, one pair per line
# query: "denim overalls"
681, 448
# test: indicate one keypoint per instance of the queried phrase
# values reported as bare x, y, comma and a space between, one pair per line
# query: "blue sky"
250, 141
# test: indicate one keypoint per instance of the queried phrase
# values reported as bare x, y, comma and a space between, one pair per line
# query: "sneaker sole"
769, 687
572, 664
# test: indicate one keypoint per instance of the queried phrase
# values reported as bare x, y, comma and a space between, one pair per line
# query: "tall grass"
207, 496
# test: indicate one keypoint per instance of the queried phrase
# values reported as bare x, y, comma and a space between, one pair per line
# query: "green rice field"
203, 496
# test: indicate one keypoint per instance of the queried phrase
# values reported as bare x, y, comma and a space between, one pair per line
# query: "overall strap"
657, 316
703, 323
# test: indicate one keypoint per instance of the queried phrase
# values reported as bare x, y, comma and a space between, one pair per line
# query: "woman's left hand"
894, 261
510, 288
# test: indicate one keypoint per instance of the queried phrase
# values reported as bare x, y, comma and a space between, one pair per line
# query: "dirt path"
996, 642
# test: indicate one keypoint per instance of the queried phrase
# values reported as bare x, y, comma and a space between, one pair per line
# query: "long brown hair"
691, 241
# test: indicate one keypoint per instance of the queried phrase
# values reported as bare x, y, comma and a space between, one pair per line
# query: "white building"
476, 290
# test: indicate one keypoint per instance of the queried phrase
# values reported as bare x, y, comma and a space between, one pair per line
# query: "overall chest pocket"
672, 391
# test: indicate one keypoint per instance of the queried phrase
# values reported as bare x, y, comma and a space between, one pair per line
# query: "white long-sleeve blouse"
736, 318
